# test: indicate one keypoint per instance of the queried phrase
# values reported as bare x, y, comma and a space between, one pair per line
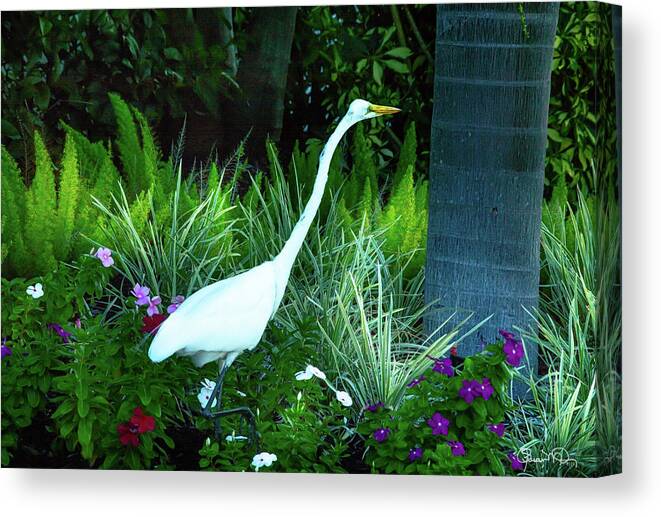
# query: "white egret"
221, 320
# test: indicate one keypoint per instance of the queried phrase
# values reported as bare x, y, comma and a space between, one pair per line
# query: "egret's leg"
216, 395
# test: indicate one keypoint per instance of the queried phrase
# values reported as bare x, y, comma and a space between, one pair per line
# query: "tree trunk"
262, 76
491, 99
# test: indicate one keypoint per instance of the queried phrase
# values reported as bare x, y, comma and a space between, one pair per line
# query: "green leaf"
377, 72
42, 96
172, 53
65, 408
480, 407
400, 52
145, 397
85, 431
83, 407
397, 66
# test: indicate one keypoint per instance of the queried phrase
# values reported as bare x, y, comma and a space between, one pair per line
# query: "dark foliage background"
173, 65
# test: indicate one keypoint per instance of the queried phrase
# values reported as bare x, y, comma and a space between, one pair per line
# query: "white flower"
263, 459
344, 398
205, 393
240, 393
235, 438
36, 290
309, 372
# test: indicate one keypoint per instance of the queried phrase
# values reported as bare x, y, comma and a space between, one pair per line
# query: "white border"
43, 492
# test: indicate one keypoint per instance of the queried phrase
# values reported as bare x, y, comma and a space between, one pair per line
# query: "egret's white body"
220, 321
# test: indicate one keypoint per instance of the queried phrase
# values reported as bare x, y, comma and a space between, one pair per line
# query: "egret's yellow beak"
383, 110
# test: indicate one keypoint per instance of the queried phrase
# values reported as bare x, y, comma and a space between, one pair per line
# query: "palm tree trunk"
491, 99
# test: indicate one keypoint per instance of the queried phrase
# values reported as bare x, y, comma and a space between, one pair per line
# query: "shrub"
446, 422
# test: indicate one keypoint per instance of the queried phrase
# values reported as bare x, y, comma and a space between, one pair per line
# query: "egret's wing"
227, 316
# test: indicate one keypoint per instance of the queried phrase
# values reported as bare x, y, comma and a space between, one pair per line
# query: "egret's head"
362, 110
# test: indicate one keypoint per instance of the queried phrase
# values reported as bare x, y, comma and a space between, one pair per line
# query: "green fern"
69, 197
407, 154
13, 218
364, 166
41, 207
251, 197
213, 179
130, 151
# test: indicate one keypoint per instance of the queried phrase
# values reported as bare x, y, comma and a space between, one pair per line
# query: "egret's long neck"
285, 259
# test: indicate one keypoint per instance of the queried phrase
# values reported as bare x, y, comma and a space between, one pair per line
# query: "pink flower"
141, 294
105, 256
153, 303
176, 302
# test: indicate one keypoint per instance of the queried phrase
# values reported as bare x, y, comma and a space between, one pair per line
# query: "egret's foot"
253, 435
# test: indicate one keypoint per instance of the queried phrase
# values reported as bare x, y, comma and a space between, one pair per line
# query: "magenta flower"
499, 429
5, 349
444, 367
517, 464
415, 453
176, 302
153, 306
381, 435
485, 389
512, 348
457, 448
60, 332
105, 256
439, 424
415, 382
141, 294
469, 391
373, 408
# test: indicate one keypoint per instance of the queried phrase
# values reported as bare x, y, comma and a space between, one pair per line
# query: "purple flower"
5, 349
469, 391
373, 408
499, 429
439, 424
457, 448
381, 435
512, 348
176, 302
444, 366
153, 303
485, 389
141, 294
105, 256
517, 464
415, 454
415, 382
506, 334
60, 332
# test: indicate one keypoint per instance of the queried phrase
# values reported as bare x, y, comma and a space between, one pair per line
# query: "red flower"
151, 323
143, 422
129, 432
453, 351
